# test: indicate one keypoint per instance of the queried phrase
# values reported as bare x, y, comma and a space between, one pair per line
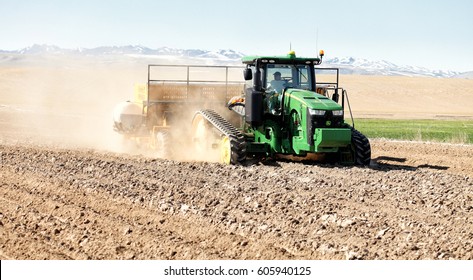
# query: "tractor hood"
309, 99
318, 122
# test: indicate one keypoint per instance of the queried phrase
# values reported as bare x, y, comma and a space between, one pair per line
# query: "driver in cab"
277, 84
275, 88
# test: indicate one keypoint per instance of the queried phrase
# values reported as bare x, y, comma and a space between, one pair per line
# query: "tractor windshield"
280, 76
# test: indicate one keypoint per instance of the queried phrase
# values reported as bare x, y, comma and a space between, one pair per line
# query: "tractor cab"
280, 72
270, 78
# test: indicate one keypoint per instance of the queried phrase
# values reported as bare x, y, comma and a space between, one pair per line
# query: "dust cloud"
65, 102
68, 102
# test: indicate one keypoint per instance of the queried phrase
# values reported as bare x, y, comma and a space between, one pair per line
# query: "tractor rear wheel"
361, 148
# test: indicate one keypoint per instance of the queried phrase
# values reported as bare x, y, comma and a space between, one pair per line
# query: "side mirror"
247, 74
336, 96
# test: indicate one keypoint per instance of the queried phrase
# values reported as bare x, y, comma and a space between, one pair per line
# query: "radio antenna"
317, 40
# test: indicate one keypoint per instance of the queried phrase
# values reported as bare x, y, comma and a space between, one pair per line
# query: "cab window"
280, 76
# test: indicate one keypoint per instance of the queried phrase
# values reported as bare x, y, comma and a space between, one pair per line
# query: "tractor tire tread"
362, 148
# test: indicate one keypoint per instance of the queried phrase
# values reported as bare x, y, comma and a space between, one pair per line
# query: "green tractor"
284, 113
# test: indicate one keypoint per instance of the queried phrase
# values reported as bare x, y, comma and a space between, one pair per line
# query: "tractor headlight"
337, 113
315, 112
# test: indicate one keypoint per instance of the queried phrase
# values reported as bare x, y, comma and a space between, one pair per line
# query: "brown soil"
81, 204
67, 192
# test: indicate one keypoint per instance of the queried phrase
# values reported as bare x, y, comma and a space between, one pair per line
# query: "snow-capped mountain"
347, 65
131, 50
466, 75
41, 49
361, 66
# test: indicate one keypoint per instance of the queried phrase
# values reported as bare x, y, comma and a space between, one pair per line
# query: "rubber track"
237, 139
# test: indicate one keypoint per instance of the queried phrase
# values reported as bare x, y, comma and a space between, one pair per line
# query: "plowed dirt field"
415, 201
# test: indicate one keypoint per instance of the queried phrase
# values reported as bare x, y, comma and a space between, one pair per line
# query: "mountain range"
132, 50
347, 65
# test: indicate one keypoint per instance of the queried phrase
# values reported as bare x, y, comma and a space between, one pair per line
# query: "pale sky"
432, 34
